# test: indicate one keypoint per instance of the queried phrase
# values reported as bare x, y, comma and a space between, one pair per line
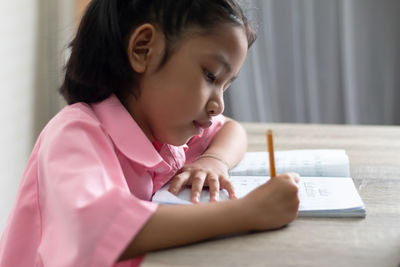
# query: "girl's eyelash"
209, 76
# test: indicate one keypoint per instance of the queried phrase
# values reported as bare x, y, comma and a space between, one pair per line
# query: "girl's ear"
140, 47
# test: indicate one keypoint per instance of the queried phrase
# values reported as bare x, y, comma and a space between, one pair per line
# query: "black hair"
99, 65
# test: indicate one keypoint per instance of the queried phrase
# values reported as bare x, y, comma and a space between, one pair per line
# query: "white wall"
18, 31
34, 35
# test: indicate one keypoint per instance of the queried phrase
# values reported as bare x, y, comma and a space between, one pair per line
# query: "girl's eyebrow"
222, 60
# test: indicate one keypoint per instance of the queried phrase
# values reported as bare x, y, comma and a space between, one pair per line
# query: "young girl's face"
177, 101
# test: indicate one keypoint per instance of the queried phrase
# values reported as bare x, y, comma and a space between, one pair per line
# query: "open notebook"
325, 188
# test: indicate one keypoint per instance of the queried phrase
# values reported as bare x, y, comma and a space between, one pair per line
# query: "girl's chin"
180, 141
181, 137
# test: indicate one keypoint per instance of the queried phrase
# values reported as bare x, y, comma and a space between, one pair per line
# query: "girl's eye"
209, 76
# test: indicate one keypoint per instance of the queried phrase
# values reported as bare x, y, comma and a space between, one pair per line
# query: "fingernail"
216, 197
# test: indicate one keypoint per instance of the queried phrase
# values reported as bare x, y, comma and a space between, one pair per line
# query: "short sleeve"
198, 144
88, 213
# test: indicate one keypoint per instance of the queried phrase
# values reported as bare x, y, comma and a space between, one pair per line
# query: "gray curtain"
321, 61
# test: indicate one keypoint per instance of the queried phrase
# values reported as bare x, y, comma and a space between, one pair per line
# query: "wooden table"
374, 153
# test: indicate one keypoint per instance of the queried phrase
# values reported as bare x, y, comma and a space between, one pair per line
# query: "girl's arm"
230, 143
270, 206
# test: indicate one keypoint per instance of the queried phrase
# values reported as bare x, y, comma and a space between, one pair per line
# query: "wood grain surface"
374, 153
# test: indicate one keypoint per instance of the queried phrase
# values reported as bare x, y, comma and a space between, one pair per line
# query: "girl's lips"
203, 125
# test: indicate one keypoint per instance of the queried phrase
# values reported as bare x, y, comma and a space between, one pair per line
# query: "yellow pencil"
270, 144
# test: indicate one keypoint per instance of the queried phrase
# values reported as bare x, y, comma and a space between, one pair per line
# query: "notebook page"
314, 162
317, 195
328, 194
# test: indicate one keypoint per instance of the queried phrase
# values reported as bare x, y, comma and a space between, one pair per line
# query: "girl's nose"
215, 107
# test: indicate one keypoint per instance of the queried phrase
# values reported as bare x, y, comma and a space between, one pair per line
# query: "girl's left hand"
202, 172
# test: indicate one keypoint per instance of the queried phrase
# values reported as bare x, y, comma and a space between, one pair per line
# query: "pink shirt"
86, 190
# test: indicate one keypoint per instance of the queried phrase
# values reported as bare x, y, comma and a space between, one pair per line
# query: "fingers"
226, 184
292, 184
178, 182
213, 184
294, 177
197, 186
216, 184
199, 178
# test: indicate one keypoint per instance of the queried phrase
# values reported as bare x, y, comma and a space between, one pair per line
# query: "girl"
144, 85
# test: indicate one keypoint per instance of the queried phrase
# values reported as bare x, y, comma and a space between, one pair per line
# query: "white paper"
325, 188
312, 162
319, 196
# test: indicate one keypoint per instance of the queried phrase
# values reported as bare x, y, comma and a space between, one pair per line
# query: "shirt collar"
125, 132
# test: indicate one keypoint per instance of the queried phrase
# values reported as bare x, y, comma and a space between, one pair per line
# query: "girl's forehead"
226, 35
227, 47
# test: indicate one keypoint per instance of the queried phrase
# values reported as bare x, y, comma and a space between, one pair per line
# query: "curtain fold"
321, 61
56, 26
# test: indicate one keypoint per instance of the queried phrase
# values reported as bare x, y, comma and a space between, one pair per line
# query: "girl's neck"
132, 105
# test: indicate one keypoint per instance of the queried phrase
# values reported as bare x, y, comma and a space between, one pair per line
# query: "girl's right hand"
273, 204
